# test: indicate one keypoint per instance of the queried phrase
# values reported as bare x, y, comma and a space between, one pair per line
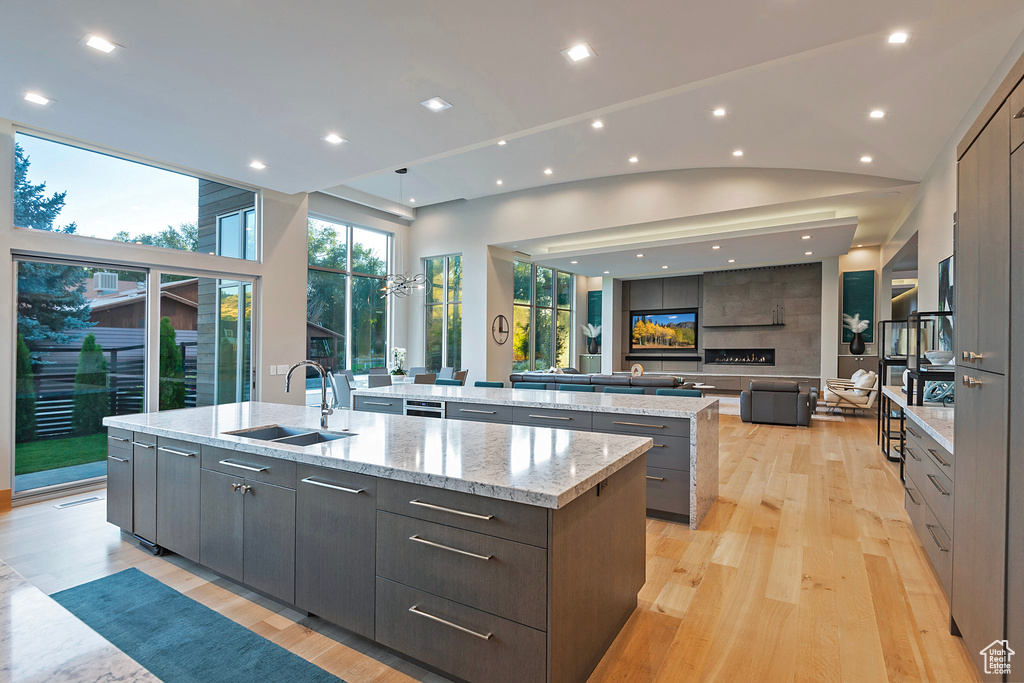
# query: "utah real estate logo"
997, 657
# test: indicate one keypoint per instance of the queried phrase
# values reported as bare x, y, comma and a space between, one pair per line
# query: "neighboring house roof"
131, 292
323, 331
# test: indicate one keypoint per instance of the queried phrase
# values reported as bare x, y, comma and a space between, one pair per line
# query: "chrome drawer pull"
450, 549
314, 482
247, 468
111, 457
377, 403
454, 512
184, 454
117, 438
913, 455
938, 457
931, 530
143, 445
911, 494
551, 417
482, 412
656, 478
416, 610
915, 434
638, 424
936, 484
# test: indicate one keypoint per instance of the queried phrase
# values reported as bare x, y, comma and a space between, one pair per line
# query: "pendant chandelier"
401, 285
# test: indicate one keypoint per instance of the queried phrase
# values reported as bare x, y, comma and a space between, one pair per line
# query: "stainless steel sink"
293, 436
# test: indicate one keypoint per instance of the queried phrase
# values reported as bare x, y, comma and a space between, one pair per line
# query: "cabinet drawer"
669, 452
668, 490
913, 501
479, 412
556, 419
502, 577
938, 546
644, 425
501, 518
925, 444
175, 447
935, 488
119, 441
467, 643
249, 465
373, 404
177, 497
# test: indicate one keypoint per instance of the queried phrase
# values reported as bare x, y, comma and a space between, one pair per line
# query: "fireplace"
739, 356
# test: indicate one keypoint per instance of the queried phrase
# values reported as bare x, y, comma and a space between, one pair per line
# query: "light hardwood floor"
805, 570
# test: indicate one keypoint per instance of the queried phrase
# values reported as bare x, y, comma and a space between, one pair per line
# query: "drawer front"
556, 419
938, 546
501, 518
926, 445
935, 488
467, 643
668, 490
119, 441
373, 404
502, 577
249, 465
913, 501
479, 412
669, 452
643, 425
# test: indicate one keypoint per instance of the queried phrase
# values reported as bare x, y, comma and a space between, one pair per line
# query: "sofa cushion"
864, 383
610, 380
857, 375
775, 385
562, 378
832, 397
653, 381
579, 379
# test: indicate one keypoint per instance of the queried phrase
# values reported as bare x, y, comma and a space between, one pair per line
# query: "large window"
541, 318
115, 199
443, 312
346, 315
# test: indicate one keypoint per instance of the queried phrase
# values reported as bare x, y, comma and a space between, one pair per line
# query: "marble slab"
934, 419
531, 465
594, 402
704, 476
895, 392
42, 642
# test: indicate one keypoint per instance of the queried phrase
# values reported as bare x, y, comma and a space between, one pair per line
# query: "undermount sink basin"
293, 436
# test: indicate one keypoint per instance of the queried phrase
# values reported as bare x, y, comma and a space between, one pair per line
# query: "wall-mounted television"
664, 331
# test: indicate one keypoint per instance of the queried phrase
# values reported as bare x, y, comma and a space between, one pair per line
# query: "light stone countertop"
531, 465
42, 641
934, 419
596, 402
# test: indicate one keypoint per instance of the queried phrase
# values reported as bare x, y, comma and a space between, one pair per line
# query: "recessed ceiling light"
412, 200
498, 182
502, 142
574, 262
860, 245
639, 255
664, 267
334, 139
436, 104
808, 253
719, 112
577, 53
607, 271
258, 165
716, 247
548, 171
898, 38
36, 98
738, 153
633, 160
806, 237
101, 44
866, 159
877, 114
732, 260
598, 124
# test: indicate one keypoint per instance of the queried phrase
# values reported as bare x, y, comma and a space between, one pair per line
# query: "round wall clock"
499, 329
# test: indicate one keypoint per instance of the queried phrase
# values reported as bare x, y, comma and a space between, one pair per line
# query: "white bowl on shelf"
939, 357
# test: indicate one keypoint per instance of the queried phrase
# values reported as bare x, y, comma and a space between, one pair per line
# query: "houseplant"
857, 326
397, 361
591, 332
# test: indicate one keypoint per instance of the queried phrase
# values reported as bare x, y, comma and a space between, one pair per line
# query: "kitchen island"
682, 466
490, 552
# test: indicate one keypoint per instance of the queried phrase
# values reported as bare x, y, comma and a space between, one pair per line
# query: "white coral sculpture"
854, 323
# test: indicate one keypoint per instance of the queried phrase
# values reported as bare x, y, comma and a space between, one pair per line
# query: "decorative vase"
857, 344
592, 345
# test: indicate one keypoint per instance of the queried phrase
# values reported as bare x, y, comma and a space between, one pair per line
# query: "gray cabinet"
1015, 539
221, 523
554, 418
335, 525
144, 487
478, 412
979, 524
851, 364
119, 478
177, 500
373, 404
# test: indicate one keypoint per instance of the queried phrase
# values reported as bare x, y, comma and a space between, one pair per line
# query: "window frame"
532, 307
443, 304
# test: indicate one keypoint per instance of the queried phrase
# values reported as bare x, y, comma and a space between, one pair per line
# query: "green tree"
172, 368
25, 409
91, 398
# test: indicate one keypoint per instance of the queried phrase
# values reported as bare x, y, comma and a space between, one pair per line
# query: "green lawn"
37, 456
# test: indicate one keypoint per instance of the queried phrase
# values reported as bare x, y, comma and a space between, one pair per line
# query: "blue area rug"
177, 638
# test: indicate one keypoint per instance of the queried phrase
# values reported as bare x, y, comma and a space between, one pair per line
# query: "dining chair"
442, 382
530, 385
623, 390
576, 387
342, 389
418, 370
446, 373
378, 371
424, 378
490, 385
694, 393
374, 380
461, 376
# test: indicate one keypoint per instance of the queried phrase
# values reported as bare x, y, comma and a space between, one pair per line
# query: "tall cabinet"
988, 552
